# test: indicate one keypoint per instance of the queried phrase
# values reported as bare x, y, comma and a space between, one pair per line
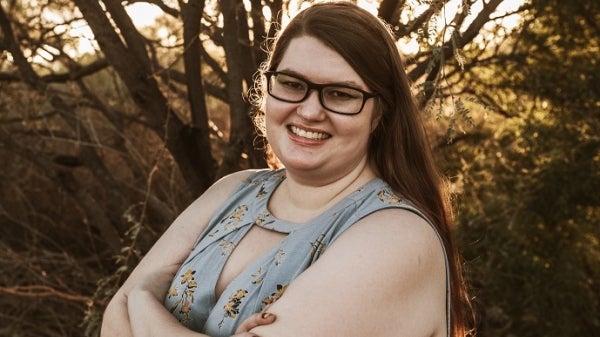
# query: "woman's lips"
313, 135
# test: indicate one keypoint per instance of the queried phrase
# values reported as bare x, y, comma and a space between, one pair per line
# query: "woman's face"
306, 137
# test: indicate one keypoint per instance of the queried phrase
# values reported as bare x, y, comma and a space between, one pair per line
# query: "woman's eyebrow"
350, 83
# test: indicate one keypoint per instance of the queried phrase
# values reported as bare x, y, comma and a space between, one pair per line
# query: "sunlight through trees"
114, 115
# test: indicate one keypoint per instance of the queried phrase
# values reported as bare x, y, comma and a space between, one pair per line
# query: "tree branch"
37, 291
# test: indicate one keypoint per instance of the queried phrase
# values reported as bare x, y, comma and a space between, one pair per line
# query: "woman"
350, 238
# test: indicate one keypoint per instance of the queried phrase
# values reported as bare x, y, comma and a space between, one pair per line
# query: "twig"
44, 291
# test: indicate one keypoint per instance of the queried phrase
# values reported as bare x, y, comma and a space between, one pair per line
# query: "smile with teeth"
308, 134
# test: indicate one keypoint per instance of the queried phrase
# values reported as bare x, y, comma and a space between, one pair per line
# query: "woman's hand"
258, 319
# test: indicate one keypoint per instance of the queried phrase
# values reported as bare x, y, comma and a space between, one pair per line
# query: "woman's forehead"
311, 58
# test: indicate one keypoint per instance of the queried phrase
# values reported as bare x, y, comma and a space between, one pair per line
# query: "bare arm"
383, 277
149, 317
166, 254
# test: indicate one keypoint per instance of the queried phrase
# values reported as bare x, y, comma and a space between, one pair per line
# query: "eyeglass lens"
340, 99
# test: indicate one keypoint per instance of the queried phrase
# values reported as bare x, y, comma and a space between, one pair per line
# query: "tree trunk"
195, 166
234, 53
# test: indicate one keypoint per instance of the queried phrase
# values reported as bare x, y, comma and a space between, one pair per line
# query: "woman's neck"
299, 198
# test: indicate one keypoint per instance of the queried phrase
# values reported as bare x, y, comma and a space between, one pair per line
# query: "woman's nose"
311, 108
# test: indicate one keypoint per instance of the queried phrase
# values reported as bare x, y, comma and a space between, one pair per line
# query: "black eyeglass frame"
319, 88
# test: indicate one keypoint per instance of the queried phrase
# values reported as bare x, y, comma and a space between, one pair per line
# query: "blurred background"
115, 115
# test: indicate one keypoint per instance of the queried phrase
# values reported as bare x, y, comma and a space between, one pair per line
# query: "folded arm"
151, 276
383, 277
147, 314
149, 317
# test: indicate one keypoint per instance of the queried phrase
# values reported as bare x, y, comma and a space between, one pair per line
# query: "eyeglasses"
338, 98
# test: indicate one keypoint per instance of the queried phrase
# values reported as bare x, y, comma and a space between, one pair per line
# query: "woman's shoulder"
251, 175
240, 176
218, 193
234, 180
377, 196
402, 221
194, 219
235, 185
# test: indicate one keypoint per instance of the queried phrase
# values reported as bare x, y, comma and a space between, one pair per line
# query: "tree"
529, 177
104, 145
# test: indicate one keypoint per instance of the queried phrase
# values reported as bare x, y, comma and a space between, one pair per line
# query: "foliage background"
106, 137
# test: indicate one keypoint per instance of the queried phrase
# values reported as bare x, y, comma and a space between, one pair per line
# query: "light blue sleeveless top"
191, 296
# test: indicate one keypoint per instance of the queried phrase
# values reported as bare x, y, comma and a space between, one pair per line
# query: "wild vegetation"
110, 127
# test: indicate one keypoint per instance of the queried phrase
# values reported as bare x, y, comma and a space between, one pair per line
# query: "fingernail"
266, 315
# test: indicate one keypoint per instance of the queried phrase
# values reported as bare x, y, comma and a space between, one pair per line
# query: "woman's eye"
291, 83
294, 85
343, 94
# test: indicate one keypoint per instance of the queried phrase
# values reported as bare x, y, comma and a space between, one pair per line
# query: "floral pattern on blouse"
232, 308
280, 257
195, 303
226, 247
388, 196
261, 219
231, 221
258, 276
276, 295
317, 247
185, 301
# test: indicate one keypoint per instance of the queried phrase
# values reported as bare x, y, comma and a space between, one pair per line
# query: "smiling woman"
93, 153
357, 186
343, 126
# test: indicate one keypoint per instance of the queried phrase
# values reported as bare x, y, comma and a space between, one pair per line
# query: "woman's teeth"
308, 134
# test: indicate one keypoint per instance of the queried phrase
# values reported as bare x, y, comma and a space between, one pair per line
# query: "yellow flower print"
226, 247
261, 192
173, 292
276, 295
241, 293
260, 219
257, 277
388, 196
280, 257
187, 276
239, 212
232, 308
232, 220
187, 296
186, 308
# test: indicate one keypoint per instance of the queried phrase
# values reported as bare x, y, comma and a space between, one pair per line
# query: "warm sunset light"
169, 170
144, 14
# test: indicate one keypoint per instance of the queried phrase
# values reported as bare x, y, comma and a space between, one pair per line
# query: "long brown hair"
398, 147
